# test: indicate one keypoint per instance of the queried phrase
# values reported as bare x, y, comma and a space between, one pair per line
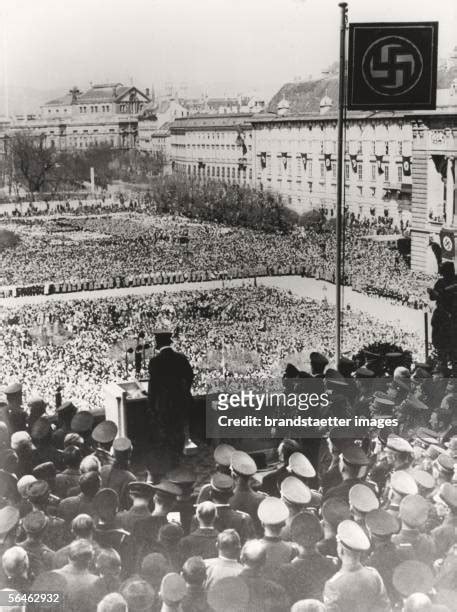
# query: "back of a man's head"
113, 602
90, 483
90, 464
81, 553
253, 554
206, 513
308, 605
138, 594
108, 562
229, 544
417, 602
194, 571
15, 562
82, 526
153, 568
72, 457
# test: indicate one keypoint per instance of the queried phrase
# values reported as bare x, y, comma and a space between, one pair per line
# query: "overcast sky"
220, 45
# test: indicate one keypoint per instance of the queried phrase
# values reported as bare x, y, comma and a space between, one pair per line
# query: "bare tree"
32, 161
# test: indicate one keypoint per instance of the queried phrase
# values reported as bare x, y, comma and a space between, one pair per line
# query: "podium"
126, 404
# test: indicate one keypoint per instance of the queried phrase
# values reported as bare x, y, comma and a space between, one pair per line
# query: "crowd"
354, 519
242, 334
102, 247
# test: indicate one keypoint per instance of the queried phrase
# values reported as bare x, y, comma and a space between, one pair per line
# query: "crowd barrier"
172, 278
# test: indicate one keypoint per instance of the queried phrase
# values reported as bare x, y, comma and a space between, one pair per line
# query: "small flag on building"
406, 162
353, 159
284, 160
379, 164
263, 160
304, 159
328, 161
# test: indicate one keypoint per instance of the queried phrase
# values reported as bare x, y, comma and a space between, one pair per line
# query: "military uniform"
445, 535
244, 498
410, 542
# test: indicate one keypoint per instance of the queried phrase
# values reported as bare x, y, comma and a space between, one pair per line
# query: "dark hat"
381, 523
420, 375
82, 421
167, 487
354, 455
447, 493
398, 444
414, 510
41, 428
182, 476
382, 401
318, 358
9, 518
122, 445
221, 482
104, 432
364, 373
305, 529
295, 491
163, 333
335, 510
142, 489
36, 401
334, 378
45, 471
231, 593
301, 466
223, 454
38, 490
34, 522
428, 367
362, 498
173, 588
8, 484
243, 464
413, 577
403, 483
106, 501
66, 408
445, 463
352, 536
272, 511
13, 388
423, 479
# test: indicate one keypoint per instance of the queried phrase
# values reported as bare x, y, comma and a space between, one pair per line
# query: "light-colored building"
213, 146
105, 113
152, 133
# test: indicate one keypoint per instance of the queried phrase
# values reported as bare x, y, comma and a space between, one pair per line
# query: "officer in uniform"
362, 500
273, 513
445, 535
103, 436
244, 497
352, 465
42, 438
334, 511
222, 487
82, 424
56, 534
65, 413
271, 482
354, 588
384, 556
222, 457
16, 417
116, 475
141, 494
401, 484
184, 504
410, 542
296, 495
170, 400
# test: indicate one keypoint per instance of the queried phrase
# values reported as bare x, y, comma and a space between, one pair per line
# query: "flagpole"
340, 168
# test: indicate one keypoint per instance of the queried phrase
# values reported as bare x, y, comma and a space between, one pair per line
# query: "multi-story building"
152, 131
213, 146
106, 113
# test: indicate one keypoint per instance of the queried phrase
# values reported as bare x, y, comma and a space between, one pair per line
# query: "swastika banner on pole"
392, 66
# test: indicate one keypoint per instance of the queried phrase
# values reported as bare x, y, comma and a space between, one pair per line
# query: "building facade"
105, 113
213, 146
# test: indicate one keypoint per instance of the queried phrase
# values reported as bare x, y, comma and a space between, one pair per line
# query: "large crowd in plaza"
77, 248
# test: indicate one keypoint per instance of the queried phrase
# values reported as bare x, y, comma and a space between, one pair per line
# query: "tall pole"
340, 176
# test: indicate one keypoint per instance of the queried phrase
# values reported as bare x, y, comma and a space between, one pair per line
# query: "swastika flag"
392, 66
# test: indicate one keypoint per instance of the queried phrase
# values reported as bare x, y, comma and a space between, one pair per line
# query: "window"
387, 147
223, 172
400, 173
322, 170
250, 174
373, 147
373, 172
218, 171
360, 171
346, 171
400, 147
334, 170
322, 147
233, 172
310, 169
386, 174
359, 148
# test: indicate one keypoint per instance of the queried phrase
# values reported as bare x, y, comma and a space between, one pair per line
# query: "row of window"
223, 172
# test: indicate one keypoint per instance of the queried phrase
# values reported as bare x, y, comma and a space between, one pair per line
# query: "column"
450, 192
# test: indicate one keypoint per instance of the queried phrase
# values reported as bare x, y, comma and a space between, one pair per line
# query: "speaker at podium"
126, 404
